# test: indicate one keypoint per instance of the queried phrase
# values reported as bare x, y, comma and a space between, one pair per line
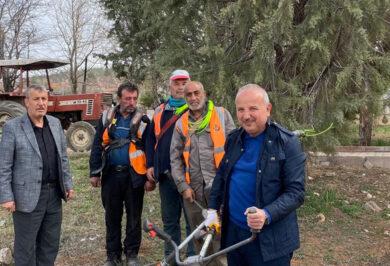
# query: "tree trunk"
365, 126
74, 86
7, 83
73, 78
84, 87
9, 77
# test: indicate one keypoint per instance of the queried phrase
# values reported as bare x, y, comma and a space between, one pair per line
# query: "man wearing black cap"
158, 163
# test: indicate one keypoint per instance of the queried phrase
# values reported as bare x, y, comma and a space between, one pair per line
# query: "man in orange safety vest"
197, 149
120, 137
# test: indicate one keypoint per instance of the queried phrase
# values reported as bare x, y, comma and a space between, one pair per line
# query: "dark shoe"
113, 260
132, 261
113, 263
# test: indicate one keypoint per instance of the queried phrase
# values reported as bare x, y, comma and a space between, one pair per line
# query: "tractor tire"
80, 136
8, 110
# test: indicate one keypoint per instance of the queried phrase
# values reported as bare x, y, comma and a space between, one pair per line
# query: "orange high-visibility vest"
217, 134
157, 119
137, 157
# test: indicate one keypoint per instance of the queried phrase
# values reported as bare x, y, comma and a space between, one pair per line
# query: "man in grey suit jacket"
34, 176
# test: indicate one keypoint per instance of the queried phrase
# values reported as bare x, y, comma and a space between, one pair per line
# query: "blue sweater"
280, 188
121, 156
242, 189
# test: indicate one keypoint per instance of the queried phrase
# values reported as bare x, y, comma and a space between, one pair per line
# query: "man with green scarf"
197, 148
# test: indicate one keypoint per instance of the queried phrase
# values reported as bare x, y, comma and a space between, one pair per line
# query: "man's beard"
127, 110
198, 107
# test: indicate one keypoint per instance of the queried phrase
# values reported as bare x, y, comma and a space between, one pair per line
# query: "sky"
49, 46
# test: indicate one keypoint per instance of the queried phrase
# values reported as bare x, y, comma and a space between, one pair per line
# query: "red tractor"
78, 113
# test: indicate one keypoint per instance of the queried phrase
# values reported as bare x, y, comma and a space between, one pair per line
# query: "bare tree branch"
17, 33
79, 30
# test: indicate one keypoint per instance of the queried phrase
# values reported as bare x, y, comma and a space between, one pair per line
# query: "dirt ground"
350, 234
336, 228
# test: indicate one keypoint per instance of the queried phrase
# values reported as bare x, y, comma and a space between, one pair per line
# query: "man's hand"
9, 206
189, 195
212, 218
150, 174
149, 185
256, 219
212, 221
95, 181
70, 194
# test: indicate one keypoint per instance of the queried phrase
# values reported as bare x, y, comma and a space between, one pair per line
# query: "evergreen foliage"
320, 61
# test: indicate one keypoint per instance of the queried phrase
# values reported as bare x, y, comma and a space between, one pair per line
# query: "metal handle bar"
153, 230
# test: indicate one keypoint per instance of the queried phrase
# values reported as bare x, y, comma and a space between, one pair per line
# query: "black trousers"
250, 254
171, 209
117, 190
37, 234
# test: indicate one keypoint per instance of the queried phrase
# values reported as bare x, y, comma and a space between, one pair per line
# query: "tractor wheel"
80, 136
8, 110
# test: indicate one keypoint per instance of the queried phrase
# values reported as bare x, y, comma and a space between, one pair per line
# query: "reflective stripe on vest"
137, 157
157, 120
217, 134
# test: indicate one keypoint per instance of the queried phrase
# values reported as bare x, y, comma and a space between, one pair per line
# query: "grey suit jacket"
21, 162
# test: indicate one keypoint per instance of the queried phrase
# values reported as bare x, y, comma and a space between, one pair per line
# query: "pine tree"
322, 62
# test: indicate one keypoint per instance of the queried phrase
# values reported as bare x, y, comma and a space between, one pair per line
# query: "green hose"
311, 132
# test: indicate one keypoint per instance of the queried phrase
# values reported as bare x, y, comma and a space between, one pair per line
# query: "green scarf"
200, 125
181, 109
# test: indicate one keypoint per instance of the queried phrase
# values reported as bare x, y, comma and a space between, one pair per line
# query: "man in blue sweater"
158, 161
120, 136
263, 167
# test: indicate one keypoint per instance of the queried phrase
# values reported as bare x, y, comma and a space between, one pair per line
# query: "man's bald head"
256, 89
253, 108
191, 84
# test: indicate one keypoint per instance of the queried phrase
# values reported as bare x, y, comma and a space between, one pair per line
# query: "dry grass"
350, 234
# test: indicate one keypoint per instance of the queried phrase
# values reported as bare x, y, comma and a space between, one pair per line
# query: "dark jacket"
159, 158
280, 187
95, 160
